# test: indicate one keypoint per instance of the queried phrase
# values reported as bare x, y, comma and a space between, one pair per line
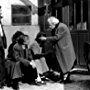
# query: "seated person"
49, 63
40, 61
28, 52
27, 64
27, 69
19, 67
12, 67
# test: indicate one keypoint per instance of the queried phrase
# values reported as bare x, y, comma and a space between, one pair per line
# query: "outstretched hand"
32, 63
43, 38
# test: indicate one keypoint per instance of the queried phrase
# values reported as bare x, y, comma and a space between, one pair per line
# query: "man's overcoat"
63, 46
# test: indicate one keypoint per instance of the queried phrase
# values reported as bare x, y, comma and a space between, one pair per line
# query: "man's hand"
32, 63
43, 38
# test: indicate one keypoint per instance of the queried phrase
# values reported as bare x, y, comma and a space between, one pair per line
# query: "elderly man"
62, 44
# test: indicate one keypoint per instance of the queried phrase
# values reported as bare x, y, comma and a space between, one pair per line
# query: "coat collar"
55, 29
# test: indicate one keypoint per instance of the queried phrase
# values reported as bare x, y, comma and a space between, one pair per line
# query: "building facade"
19, 15
23, 15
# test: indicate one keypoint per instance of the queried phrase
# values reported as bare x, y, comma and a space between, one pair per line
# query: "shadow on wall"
29, 30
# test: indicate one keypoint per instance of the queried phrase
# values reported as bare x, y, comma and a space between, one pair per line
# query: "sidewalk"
80, 81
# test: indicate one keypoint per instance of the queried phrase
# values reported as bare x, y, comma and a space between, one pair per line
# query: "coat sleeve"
30, 55
17, 55
60, 33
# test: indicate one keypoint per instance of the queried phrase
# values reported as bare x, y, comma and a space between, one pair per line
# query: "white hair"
53, 20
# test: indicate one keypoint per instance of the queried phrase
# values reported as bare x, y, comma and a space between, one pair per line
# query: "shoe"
2, 84
38, 83
35, 83
45, 78
15, 86
60, 78
66, 78
1, 87
8, 85
41, 82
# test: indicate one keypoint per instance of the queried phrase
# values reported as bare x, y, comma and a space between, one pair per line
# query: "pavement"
80, 81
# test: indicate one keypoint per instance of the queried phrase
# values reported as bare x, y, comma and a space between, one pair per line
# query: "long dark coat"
63, 47
19, 55
3, 45
12, 66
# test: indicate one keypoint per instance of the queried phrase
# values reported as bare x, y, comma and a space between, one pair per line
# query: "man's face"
26, 40
52, 26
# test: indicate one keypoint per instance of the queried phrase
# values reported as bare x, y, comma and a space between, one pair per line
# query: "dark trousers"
30, 74
52, 62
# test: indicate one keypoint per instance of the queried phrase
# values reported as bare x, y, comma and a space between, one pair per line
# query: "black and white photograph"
44, 45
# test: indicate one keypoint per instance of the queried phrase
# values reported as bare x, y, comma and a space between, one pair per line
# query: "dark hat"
16, 35
20, 39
